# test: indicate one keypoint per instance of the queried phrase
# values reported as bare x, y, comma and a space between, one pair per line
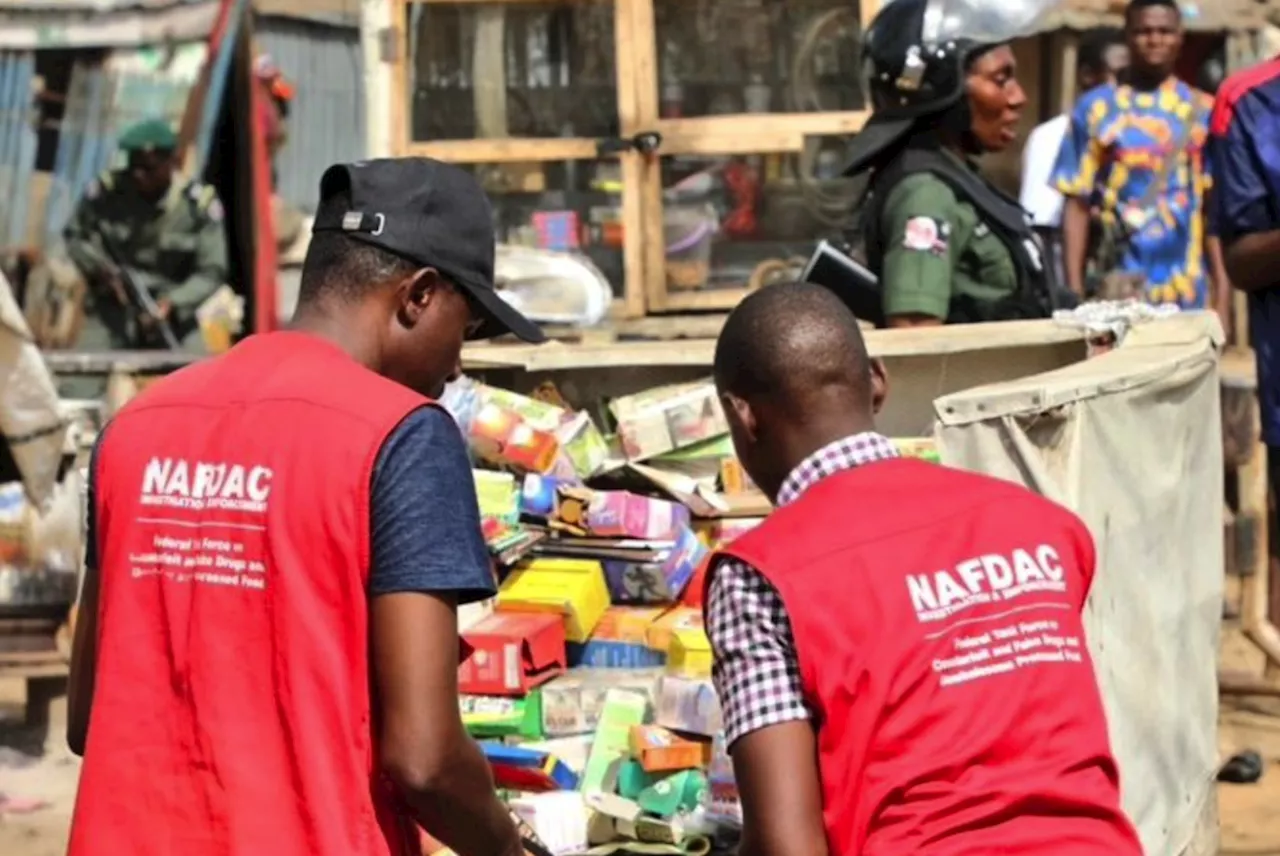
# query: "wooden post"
381, 51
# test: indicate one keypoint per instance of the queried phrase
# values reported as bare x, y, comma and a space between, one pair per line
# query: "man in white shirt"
1102, 57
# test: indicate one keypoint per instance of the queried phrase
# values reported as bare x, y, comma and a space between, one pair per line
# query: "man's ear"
414, 294
740, 411
879, 385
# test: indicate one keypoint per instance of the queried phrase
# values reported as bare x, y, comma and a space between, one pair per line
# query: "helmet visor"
983, 21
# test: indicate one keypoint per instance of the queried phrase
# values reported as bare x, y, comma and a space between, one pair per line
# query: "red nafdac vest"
231, 714
937, 618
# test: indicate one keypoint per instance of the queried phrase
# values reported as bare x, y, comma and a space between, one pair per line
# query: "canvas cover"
1132, 441
31, 419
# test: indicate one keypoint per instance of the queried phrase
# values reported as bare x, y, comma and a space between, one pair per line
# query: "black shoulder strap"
1001, 213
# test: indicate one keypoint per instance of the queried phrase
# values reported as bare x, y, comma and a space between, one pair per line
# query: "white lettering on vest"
178, 483
989, 578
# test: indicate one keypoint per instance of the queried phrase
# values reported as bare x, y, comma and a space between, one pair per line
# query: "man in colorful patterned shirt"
1135, 155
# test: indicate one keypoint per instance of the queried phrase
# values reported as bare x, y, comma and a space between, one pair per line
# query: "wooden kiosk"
608, 104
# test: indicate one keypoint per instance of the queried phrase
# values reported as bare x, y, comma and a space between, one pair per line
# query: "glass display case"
690, 148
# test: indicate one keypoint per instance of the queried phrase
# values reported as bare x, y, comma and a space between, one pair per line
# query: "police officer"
947, 246
166, 235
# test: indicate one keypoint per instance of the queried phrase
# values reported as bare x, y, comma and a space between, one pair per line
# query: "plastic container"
688, 230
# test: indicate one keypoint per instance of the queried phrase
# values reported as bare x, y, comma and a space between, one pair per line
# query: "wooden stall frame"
544, 150
1254, 557
748, 133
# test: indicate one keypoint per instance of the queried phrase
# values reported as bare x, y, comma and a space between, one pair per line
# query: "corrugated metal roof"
1200, 16
41, 24
79, 6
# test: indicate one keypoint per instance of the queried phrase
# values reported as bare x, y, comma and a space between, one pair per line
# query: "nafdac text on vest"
992, 578
176, 483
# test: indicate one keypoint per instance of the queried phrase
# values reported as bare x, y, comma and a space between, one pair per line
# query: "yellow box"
575, 588
658, 636
690, 654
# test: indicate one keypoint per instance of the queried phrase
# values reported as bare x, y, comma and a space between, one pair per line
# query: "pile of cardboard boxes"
589, 676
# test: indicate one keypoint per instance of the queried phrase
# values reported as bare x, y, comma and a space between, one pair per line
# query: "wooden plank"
880, 343
502, 2
510, 150
662, 328
718, 299
652, 244
754, 133
628, 45
401, 105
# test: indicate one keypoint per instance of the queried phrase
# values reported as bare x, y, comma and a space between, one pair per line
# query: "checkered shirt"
757, 672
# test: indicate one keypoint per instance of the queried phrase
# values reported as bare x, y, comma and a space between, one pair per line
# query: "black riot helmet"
915, 57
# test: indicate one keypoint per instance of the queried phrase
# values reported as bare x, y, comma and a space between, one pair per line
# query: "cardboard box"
559, 818
497, 495
925, 448
571, 704
524, 769
621, 710
618, 514
721, 532
573, 588
689, 654
657, 582
539, 493
660, 751
662, 420
734, 479
501, 437
582, 445
497, 716
618, 642
511, 653
659, 634
689, 705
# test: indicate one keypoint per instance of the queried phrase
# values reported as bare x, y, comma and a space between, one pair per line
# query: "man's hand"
150, 322
115, 285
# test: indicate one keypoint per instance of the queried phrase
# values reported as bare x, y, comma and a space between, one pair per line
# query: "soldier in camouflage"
169, 236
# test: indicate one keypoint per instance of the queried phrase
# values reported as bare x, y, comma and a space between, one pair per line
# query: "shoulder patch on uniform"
926, 235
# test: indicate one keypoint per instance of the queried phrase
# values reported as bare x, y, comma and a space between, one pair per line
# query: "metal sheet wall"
326, 119
17, 143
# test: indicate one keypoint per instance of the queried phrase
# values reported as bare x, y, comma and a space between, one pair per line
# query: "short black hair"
787, 341
1136, 6
1092, 55
341, 266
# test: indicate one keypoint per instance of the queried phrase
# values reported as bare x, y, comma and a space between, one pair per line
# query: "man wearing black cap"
280, 537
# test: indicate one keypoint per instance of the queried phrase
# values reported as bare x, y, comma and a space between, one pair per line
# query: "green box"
490, 717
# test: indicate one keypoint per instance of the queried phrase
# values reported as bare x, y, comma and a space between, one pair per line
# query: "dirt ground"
1250, 821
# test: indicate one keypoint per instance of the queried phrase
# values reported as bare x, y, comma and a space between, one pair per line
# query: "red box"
511, 653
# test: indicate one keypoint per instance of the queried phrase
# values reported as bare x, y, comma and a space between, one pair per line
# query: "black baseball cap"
429, 212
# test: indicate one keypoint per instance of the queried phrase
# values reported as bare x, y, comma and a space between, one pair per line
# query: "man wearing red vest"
899, 648
266, 662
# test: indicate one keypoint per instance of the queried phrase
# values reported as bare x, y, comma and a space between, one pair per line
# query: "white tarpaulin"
1132, 441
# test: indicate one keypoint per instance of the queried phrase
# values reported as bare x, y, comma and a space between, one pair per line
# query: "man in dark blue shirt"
1245, 214
400, 301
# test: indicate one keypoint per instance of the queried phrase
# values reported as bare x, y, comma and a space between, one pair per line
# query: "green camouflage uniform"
936, 247
175, 248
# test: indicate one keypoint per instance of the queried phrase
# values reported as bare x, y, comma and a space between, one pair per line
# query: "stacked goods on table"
589, 682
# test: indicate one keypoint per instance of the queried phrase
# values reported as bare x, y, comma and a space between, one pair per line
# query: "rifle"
143, 301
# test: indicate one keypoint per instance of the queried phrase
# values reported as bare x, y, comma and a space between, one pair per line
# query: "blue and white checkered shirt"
757, 672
